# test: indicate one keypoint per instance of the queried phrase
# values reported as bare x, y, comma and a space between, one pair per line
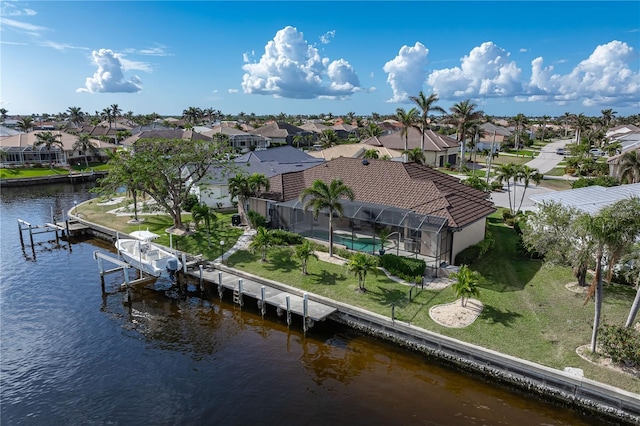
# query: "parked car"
560, 151
596, 152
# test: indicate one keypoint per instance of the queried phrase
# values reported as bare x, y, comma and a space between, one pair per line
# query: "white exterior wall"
216, 196
468, 236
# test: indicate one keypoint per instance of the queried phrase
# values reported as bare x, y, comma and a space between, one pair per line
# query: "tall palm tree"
582, 123
545, 121
3, 114
239, 188
192, 115
321, 196
50, 141
25, 123
519, 122
568, 117
257, 182
527, 175
630, 166
504, 173
84, 144
115, 111
361, 264
370, 154
608, 115
204, 213
463, 114
107, 114
466, 284
426, 104
408, 119
76, 116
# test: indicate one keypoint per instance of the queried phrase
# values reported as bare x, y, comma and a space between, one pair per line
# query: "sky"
312, 58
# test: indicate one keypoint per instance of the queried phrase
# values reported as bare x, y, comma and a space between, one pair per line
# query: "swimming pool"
364, 244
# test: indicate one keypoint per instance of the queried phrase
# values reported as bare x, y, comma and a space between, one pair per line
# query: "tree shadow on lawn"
496, 316
327, 278
281, 260
388, 297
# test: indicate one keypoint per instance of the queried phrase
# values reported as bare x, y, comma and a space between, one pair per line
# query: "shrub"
407, 268
606, 181
474, 252
256, 220
496, 186
286, 238
622, 344
476, 182
506, 215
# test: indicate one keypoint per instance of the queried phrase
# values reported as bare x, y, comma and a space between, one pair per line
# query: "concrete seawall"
608, 402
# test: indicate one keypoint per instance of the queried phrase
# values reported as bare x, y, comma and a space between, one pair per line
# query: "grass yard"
556, 184
33, 172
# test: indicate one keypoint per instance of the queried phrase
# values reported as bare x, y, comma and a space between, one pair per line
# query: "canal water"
71, 355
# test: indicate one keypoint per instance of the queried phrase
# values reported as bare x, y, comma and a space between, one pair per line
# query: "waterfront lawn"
29, 172
528, 311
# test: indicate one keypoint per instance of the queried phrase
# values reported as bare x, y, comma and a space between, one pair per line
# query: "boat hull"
148, 257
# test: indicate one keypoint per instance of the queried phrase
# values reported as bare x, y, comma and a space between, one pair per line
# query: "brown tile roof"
405, 185
432, 142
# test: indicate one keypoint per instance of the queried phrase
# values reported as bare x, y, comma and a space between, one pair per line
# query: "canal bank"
70, 178
579, 393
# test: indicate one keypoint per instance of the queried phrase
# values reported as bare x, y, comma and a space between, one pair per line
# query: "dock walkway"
212, 272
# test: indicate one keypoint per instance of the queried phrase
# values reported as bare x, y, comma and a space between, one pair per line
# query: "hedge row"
407, 268
476, 251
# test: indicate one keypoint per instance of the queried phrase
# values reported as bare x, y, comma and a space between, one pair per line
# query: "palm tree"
371, 154
463, 114
415, 155
615, 226
466, 284
408, 119
192, 115
25, 123
608, 115
76, 116
321, 196
582, 123
633, 276
527, 174
519, 122
239, 188
261, 241
545, 120
116, 111
361, 264
303, 252
106, 114
372, 130
630, 166
84, 144
567, 119
257, 182
3, 114
504, 173
49, 140
328, 138
204, 213
426, 104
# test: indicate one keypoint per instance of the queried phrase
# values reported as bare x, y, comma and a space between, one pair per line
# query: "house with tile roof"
351, 150
281, 133
493, 136
430, 214
165, 134
438, 149
213, 190
20, 149
240, 140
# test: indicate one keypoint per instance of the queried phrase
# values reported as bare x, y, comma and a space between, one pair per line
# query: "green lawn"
528, 312
31, 172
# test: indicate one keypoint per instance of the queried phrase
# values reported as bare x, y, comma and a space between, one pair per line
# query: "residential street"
548, 159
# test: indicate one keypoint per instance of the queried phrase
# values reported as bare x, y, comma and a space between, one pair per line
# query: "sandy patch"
455, 315
584, 352
324, 256
438, 283
574, 287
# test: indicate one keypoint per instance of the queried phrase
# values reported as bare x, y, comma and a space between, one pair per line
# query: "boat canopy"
144, 235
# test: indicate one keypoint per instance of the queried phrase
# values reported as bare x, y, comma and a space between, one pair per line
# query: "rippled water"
71, 355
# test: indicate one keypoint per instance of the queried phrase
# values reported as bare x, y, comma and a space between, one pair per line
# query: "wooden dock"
285, 302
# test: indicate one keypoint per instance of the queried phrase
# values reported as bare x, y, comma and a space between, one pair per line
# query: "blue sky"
299, 57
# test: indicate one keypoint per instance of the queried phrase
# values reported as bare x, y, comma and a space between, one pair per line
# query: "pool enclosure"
409, 233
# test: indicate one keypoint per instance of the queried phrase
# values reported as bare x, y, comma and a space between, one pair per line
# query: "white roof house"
590, 199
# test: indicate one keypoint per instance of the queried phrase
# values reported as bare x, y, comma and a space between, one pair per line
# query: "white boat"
144, 255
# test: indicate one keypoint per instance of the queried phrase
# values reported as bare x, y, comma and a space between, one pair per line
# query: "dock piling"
263, 303
288, 299
305, 311
220, 288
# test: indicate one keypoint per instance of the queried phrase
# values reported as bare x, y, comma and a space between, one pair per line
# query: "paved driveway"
501, 199
548, 159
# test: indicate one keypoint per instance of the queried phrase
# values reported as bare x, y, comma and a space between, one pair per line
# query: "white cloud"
406, 72
23, 26
232, 90
109, 77
291, 68
523, 50
9, 8
486, 71
603, 78
326, 37
158, 50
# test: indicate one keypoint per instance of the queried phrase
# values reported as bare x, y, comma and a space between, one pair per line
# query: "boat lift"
120, 265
